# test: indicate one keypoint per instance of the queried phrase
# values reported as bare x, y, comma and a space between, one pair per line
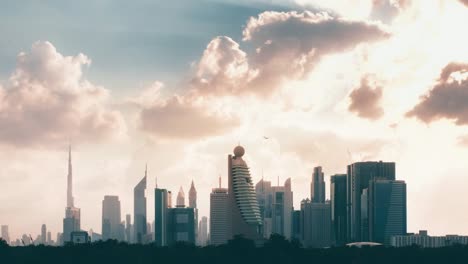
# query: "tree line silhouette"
238, 250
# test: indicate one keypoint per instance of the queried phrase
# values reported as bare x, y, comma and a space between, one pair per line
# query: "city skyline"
176, 85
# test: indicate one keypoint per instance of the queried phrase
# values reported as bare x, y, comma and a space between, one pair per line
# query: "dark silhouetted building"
71, 222
181, 225
219, 230
358, 177
80, 237
338, 208
161, 205
296, 225
317, 186
315, 224
243, 211
139, 210
387, 210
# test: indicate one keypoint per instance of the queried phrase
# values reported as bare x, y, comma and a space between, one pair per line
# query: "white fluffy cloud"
47, 101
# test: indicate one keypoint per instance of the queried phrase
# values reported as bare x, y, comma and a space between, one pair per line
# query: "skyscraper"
243, 211
193, 204
317, 187
218, 215
358, 177
161, 204
49, 238
180, 198
276, 207
71, 222
111, 218
387, 210
203, 232
128, 228
338, 208
43, 234
139, 210
181, 225
192, 196
315, 224
5, 235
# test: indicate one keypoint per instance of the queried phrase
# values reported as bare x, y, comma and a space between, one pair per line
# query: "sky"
178, 84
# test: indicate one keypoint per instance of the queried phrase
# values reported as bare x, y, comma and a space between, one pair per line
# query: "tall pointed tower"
71, 222
69, 180
192, 196
181, 198
139, 210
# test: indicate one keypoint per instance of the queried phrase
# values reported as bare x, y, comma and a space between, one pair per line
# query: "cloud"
180, 117
286, 46
47, 101
465, 2
223, 68
387, 10
365, 100
447, 99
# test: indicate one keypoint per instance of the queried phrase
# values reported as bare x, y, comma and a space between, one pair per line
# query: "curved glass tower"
244, 211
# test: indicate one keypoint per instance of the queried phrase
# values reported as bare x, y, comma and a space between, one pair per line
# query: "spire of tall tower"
192, 196
69, 180
180, 198
146, 169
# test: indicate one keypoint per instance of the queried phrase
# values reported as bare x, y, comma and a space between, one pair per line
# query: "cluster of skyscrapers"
367, 204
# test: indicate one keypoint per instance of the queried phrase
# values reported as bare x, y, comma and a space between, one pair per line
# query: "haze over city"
174, 86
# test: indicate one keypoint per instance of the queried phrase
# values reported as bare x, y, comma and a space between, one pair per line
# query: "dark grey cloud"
365, 100
447, 99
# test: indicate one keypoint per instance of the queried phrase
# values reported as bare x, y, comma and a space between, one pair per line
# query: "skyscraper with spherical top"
243, 210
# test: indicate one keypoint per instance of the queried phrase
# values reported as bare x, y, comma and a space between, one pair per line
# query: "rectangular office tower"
161, 207
387, 210
315, 224
181, 225
276, 207
338, 208
358, 177
218, 216
111, 219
